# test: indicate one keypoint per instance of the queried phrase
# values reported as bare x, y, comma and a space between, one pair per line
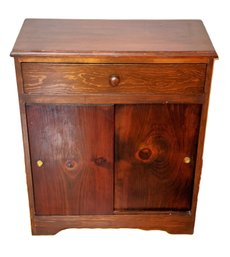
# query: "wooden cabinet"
113, 119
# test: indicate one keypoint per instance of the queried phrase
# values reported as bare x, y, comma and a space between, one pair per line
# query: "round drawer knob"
114, 80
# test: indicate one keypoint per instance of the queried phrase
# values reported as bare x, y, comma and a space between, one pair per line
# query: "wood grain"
77, 172
203, 123
125, 59
151, 143
114, 98
55, 79
171, 222
42, 37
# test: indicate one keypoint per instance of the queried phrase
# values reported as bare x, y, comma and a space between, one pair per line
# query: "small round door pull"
39, 163
114, 80
187, 160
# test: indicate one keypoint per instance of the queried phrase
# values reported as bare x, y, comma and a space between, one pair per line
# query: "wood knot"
100, 161
145, 154
70, 164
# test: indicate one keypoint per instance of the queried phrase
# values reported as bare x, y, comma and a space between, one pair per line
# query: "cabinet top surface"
155, 38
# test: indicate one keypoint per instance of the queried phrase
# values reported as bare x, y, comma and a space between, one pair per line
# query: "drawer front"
66, 79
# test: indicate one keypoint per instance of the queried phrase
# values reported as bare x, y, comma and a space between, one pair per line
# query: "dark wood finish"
25, 142
151, 144
77, 172
118, 105
56, 79
130, 59
113, 37
114, 98
173, 223
204, 114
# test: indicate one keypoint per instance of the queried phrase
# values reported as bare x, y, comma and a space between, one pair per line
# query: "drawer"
66, 79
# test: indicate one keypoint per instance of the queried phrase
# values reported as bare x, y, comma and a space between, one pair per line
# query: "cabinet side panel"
73, 145
156, 148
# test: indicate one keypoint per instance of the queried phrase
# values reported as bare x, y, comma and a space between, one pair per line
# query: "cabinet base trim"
171, 223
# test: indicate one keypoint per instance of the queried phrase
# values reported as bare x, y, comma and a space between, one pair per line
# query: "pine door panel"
75, 145
152, 142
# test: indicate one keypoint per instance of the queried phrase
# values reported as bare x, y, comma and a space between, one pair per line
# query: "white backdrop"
212, 223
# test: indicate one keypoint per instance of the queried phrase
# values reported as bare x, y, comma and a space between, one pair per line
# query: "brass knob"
187, 160
114, 80
39, 163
